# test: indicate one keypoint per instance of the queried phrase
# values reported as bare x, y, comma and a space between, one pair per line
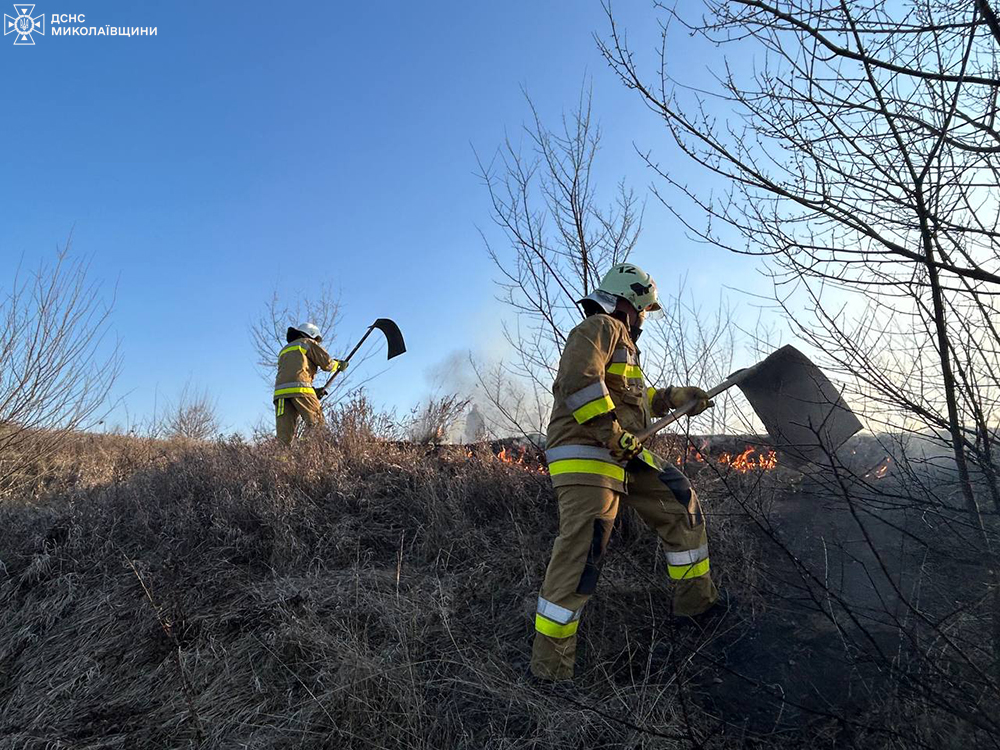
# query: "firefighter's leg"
586, 517
308, 407
669, 505
285, 419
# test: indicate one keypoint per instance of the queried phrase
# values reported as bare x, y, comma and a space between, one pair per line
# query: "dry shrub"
357, 420
436, 419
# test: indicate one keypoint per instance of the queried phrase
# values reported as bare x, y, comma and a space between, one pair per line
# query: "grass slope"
350, 595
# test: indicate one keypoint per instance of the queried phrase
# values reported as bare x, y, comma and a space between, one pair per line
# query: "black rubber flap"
393, 336
802, 411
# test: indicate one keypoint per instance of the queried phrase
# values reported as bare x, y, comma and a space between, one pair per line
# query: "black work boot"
725, 604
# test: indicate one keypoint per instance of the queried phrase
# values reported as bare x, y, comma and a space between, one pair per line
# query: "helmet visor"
655, 311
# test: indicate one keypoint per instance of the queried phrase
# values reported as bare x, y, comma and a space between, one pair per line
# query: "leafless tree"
857, 158
57, 365
559, 238
559, 241
193, 417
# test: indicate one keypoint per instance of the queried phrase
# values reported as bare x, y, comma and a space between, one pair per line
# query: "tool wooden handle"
348, 357
357, 345
680, 412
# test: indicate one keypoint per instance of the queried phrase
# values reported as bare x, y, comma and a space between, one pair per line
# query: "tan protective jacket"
599, 392
297, 365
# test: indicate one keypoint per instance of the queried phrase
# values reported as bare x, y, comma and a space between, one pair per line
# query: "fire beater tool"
393, 337
802, 411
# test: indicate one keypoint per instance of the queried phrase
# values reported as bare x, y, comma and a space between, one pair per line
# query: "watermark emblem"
23, 25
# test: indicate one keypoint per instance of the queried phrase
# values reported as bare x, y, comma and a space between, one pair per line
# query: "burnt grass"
368, 594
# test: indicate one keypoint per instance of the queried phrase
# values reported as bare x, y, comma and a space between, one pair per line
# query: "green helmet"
630, 283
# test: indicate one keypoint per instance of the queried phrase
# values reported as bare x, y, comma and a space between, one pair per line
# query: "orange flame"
749, 460
519, 459
881, 471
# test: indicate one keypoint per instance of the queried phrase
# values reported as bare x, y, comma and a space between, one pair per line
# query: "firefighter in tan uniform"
596, 463
294, 394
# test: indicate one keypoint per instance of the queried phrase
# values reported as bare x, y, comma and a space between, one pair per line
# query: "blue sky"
249, 147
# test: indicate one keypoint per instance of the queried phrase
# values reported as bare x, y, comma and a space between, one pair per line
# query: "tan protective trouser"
288, 410
586, 517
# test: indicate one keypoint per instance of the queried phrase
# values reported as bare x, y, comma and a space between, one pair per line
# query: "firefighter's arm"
321, 358
580, 381
664, 400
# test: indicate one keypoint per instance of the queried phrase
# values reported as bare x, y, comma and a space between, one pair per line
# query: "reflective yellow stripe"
292, 391
650, 393
279, 407
629, 371
679, 572
595, 408
551, 628
584, 466
649, 459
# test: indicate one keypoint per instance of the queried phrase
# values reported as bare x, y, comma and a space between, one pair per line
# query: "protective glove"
339, 365
680, 396
626, 447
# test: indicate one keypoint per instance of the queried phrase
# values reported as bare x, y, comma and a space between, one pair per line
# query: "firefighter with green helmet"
295, 396
601, 400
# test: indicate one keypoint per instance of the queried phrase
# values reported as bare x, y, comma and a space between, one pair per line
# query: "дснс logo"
23, 25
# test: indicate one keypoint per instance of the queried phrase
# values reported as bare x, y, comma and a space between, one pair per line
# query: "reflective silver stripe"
688, 557
624, 355
293, 384
552, 611
585, 395
591, 452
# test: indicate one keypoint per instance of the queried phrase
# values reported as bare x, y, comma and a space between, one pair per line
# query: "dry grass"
352, 595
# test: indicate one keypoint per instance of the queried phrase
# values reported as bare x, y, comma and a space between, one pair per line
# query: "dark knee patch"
595, 556
677, 483
680, 488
